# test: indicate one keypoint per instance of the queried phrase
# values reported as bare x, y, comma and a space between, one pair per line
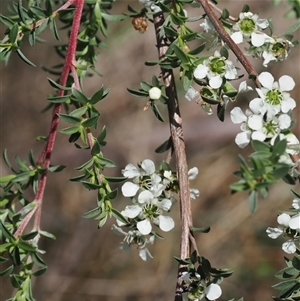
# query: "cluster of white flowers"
196, 289
249, 29
269, 113
151, 192
289, 226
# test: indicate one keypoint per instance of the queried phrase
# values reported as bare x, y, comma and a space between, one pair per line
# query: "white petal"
144, 226
213, 291
145, 197
257, 106
237, 37
295, 222
257, 39
286, 83
266, 79
237, 115
192, 94
192, 173
283, 219
216, 82
145, 254
255, 122
258, 135
148, 166
194, 193
132, 211
284, 121
130, 171
289, 247
262, 23
201, 71
129, 189
296, 204
165, 204
166, 223
243, 139
288, 104
274, 232
243, 87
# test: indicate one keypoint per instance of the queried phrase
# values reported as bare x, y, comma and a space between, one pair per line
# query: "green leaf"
71, 130
260, 146
279, 148
182, 261
4, 246
156, 111
29, 236
21, 11
224, 51
96, 148
13, 33
6, 178
56, 168
286, 273
106, 162
197, 50
56, 85
24, 176
47, 234
40, 271
79, 112
285, 284
90, 121
24, 58
26, 247
7, 271
90, 186
117, 215
296, 262
102, 136
165, 146
69, 119
53, 28
92, 213
138, 93
113, 18
280, 171
112, 195
252, 201
59, 99
80, 96
97, 96
115, 179
38, 260
6, 160
180, 54
221, 112
202, 230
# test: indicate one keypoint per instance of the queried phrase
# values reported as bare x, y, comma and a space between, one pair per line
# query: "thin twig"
179, 150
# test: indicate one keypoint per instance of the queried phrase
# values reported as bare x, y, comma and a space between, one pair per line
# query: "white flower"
192, 173
207, 26
194, 193
248, 27
215, 68
296, 204
243, 87
192, 94
274, 94
152, 181
286, 222
150, 4
154, 93
213, 291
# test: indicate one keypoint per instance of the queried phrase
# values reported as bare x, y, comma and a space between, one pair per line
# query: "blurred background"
85, 263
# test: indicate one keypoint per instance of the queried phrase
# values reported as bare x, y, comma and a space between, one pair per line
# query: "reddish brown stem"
47, 152
179, 151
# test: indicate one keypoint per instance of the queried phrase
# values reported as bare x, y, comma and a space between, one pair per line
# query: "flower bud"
154, 93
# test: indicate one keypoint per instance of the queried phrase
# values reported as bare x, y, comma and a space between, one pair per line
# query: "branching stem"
179, 150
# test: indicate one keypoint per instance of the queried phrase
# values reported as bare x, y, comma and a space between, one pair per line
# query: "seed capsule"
140, 23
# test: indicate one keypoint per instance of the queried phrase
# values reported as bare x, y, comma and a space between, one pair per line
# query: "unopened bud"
154, 93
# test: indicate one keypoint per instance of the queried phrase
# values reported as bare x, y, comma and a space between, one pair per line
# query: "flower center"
247, 26
217, 65
274, 97
151, 211
271, 128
